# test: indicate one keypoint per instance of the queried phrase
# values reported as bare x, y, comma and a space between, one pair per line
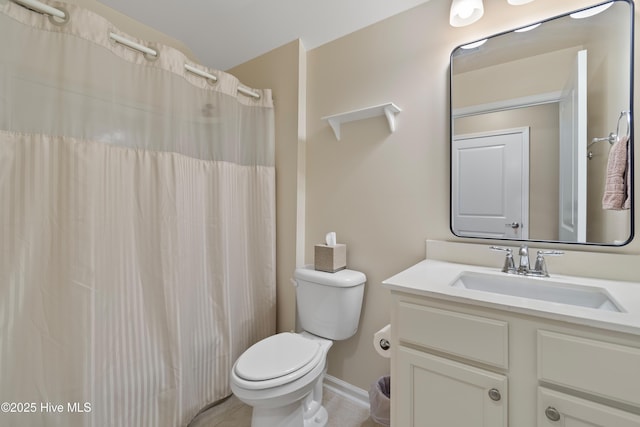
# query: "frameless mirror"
535, 115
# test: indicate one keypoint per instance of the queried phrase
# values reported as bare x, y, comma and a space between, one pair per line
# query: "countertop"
433, 279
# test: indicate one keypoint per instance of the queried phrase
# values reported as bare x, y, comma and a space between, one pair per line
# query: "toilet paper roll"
382, 342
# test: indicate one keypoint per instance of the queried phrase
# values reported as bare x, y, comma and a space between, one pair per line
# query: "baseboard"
348, 391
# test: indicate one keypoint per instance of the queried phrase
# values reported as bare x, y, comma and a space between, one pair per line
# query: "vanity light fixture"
529, 28
591, 11
465, 12
518, 2
474, 44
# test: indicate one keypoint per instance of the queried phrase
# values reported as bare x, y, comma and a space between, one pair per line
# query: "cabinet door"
438, 392
562, 410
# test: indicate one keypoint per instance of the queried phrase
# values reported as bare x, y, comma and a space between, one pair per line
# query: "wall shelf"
389, 110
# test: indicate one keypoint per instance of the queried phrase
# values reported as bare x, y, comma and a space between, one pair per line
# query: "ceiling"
225, 33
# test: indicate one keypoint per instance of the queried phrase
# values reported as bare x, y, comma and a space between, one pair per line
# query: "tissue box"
330, 258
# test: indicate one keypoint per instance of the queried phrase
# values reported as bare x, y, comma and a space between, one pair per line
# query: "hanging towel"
616, 189
627, 202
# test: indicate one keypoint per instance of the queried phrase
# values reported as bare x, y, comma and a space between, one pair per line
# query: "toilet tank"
329, 303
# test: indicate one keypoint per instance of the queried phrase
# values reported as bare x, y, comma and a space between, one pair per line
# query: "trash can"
380, 401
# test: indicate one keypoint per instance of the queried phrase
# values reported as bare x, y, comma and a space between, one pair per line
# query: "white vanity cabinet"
462, 365
428, 383
440, 366
608, 371
561, 409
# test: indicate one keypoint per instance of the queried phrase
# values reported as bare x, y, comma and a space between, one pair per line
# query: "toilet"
281, 377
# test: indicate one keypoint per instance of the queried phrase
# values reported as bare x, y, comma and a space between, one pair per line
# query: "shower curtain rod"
199, 72
153, 53
42, 8
147, 51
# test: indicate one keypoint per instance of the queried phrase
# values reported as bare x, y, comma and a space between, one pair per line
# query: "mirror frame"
631, 133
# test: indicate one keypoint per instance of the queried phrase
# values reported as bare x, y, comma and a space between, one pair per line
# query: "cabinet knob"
494, 394
552, 413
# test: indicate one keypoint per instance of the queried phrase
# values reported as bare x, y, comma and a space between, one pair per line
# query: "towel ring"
626, 114
613, 136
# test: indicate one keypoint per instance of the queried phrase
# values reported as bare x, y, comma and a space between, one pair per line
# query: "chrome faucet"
524, 267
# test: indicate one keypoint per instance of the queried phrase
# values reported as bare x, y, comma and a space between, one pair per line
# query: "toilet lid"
276, 356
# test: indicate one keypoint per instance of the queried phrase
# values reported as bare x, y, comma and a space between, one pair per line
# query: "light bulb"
592, 11
465, 11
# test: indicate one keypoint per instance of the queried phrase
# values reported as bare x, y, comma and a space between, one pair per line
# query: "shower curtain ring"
56, 20
150, 57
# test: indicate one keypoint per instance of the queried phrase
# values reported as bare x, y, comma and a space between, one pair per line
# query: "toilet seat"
277, 360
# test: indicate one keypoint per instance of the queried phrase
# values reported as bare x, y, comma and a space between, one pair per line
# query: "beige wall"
383, 193
517, 79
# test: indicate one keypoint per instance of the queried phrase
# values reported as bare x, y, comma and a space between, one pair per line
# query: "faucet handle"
509, 264
551, 253
509, 251
541, 265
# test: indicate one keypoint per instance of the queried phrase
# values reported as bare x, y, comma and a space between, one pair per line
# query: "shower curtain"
137, 227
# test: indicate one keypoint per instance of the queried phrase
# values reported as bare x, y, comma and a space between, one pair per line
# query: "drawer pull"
552, 413
494, 394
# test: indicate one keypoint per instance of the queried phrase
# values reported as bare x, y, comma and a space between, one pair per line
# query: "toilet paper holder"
384, 344
382, 341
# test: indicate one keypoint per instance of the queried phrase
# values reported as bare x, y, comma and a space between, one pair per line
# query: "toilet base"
315, 415
289, 416
320, 418
286, 416
306, 412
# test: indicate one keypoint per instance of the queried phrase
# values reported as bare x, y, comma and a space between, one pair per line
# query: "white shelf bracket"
335, 125
390, 113
389, 110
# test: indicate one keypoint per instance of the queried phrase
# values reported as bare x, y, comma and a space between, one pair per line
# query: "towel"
616, 189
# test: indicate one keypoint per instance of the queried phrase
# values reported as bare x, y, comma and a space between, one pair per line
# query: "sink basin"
538, 289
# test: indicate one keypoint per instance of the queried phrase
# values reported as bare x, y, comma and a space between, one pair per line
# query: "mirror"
532, 115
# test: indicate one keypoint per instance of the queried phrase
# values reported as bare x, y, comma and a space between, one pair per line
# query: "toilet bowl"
281, 377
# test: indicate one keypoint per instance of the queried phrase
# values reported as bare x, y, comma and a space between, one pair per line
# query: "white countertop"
433, 279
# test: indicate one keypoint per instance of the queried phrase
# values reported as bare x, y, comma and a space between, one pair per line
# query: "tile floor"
233, 413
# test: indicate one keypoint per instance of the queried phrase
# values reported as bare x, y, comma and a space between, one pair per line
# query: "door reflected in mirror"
532, 118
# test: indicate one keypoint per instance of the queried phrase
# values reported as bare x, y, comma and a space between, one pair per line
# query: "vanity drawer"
471, 337
597, 367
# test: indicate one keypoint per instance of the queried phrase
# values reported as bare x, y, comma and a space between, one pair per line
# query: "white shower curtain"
137, 227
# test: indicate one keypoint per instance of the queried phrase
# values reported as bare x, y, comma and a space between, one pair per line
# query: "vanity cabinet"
447, 393
561, 409
608, 371
462, 365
